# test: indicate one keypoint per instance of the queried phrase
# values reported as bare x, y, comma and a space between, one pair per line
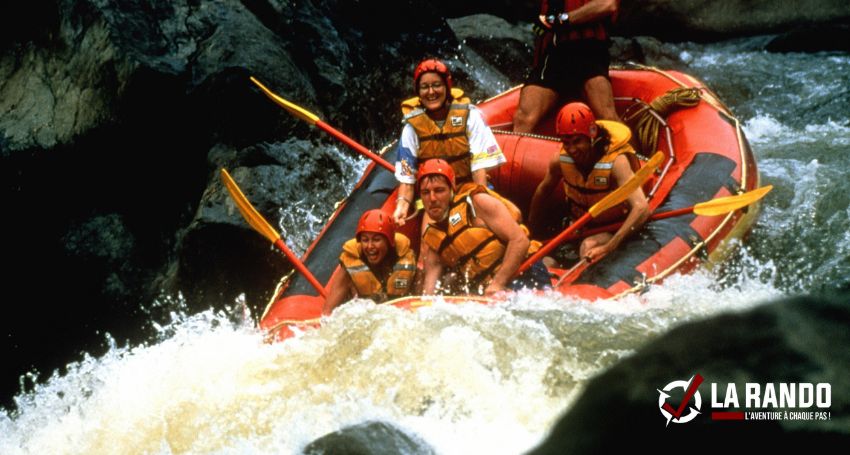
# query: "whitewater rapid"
465, 378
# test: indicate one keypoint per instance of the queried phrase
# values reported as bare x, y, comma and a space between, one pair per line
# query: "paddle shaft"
614, 226
310, 117
570, 275
300, 267
552, 244
714, 207
262, 226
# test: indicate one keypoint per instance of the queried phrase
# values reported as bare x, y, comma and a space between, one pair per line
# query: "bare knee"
593, 241
534, 103
526, 119
600, 98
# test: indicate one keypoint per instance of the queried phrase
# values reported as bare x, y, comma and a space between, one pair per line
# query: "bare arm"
479, 176
638, 213
593, 11
341, 289
403, 203
542, 193
405, 172
497, 218
433, 271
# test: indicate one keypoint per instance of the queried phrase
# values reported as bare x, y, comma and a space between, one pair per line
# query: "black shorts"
565, 67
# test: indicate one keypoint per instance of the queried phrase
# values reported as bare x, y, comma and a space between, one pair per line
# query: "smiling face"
432, 91
374, 247
436, 194
580, 149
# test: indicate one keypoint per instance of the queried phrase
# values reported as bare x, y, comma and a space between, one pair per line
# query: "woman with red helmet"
595, 158
440, 123
377, 264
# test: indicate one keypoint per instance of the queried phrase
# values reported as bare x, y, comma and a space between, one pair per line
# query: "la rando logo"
755, 401
771, 395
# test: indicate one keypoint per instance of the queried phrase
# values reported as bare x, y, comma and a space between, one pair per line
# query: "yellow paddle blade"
293, 108
724, 205
622, 193
252, 216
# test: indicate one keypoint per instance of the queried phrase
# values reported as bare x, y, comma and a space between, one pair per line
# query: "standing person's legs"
600, 97
535, 102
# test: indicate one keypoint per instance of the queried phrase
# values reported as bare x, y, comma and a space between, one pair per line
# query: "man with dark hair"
475, 234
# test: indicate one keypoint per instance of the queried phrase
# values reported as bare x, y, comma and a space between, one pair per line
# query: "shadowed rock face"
700, 20
811, 38
797, 340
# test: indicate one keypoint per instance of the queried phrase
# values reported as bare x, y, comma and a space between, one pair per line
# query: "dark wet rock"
220, 256
514, 11
104, 244
795, 340
360, 63
645, 50
506, 46
114, 62
813, 39
367, 439
699, 20
688, 20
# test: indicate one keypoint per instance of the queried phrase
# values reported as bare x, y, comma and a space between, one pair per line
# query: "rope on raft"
645, 126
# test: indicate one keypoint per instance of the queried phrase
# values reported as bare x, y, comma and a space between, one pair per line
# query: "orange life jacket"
582, 191
448, 142
399, 282
475, 253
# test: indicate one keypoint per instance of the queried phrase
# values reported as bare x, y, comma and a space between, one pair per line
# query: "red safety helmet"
436, 166
576, 118
377, 221
432, 65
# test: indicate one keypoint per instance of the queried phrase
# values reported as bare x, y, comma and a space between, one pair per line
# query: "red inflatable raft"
706, 157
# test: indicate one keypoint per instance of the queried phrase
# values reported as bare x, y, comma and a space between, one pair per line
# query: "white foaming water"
465, 378
765, 130
302, 220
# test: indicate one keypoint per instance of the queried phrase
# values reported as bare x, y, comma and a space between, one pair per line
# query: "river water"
465, 379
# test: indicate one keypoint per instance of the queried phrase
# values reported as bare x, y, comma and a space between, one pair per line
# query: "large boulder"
700, 20
813, 38
366, 439
683, 20
796, 340
110, 63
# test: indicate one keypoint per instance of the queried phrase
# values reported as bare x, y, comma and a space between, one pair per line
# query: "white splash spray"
465, 378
